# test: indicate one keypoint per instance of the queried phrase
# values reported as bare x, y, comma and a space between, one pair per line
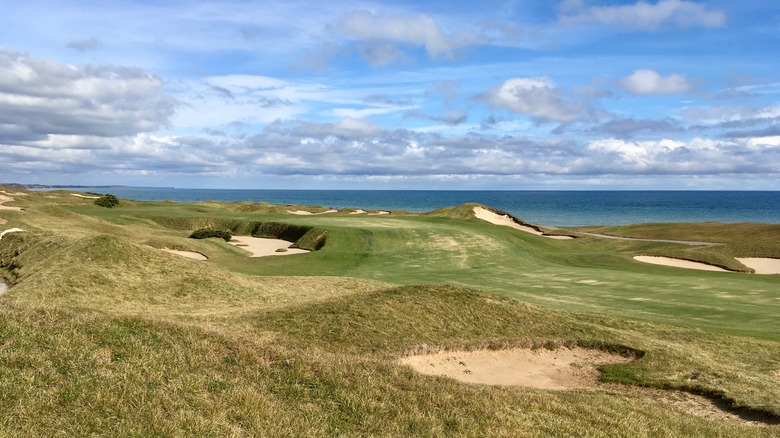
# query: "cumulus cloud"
642, 16
644, 82
539, 98
40, 98
379, 34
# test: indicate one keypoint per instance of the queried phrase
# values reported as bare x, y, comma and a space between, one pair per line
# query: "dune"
761, 265
10, 230
5, 198
678, 263
545, 369
189, 254
78, 195
261, 247
507, 221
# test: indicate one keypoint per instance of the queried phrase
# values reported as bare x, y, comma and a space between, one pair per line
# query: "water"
555, 208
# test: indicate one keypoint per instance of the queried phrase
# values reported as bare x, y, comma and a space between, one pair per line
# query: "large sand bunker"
678, 263
260, 247
761, 265
544, 369
505, 220
4, 199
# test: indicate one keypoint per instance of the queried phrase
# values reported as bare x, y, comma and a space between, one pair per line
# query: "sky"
503, 95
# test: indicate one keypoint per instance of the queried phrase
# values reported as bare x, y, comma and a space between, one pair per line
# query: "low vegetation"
107, 201
205, 233
103, 334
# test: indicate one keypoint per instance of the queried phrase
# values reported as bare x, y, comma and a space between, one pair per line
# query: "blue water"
556, 208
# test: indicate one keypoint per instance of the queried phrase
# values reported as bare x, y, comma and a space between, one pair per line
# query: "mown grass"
102, 334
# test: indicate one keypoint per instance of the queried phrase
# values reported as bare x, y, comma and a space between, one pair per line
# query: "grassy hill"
105, 334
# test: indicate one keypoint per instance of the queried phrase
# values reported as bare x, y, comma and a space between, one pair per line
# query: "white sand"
505, 220
3, 287
378, 213
11, 230
189, 254
5, 198
358, 211
678, 263
14, 194
545, 369
84, 196
764, 266
260, 247
304, 212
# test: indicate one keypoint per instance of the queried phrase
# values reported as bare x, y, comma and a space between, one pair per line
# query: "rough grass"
104, 335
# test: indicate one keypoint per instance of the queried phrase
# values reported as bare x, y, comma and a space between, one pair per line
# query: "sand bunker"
678, 263
505, 220
764, 266
260, 247
378, 213
5, 198
189, 254
358, 211
11, 230
304, 212
84, 196
544, 369
3, 287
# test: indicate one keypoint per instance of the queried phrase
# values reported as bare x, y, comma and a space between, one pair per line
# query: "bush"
206, 233
108, 201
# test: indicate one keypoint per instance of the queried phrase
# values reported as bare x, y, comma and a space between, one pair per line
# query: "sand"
358, 211
10, 230
304, 212
764, 266
505, 220
5, 198
545, 369
378, 213
3, 287
260, 247
189, 254
678, 263
84, 196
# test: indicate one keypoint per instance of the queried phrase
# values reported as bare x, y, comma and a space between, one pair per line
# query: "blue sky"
657, 94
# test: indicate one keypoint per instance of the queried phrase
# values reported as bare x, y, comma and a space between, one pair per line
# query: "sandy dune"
189, 254
260, 247
678, 263
84, 196
5, 198
764, 266
544, 369
502, 219
9, 231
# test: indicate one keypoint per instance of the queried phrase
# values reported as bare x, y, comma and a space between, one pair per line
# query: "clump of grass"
205, 233
107, 201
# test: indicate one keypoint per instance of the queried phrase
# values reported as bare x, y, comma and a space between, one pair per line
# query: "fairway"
101, 297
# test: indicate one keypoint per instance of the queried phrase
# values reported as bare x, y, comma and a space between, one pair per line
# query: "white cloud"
539, 98
42, 97
421, 31
642, 15
645, 82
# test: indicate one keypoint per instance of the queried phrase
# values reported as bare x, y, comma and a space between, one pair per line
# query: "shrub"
108, 201
205, 233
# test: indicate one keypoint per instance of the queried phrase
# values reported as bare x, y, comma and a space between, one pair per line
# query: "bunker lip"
678, 263
508, 221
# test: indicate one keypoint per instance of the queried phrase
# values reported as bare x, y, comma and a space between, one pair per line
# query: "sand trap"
304, 212
5, 198
260, 247
358, 211
678, 263
764, 266
544, 369
11, 230
3, 287
378, 213
505, 220
189, 254
84, 196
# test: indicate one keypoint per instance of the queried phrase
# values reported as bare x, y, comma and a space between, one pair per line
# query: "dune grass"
105, 335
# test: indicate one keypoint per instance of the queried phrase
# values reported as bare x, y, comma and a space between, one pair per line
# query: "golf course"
298, 320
